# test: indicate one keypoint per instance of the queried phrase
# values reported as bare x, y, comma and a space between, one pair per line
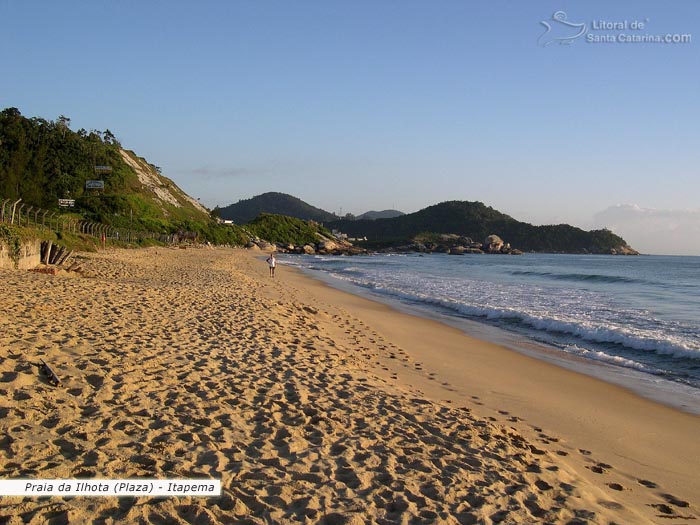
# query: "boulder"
327, 246
448, 237
457, 250
308, 249
493, 244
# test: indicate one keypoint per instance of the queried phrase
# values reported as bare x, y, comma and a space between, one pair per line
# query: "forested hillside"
287, 230
273, 203
42, 161
476, 220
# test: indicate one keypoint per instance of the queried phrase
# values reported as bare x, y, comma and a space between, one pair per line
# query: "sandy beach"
311, 405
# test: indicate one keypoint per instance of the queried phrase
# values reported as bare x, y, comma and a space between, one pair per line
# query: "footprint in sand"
8, 377
600, 468
675, 501
543, 485
647, 483
665, 509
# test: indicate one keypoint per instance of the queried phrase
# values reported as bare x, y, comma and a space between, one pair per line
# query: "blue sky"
359, 105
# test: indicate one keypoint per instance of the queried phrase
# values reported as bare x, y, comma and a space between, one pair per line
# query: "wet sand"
311, 405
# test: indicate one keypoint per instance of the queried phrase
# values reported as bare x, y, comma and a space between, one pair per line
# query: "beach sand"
311, 405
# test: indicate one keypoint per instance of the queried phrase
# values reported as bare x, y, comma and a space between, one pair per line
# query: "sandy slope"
312, 407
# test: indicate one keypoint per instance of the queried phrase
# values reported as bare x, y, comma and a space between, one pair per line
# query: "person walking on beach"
272, 262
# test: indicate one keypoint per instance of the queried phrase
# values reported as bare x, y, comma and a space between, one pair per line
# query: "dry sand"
311, 406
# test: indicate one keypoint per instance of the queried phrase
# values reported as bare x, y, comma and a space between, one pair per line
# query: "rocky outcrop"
458, 245
324, 246
624, 250
327, 246
493, 244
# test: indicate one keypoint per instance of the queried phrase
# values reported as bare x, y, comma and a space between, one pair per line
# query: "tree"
63, 123
11, 113
109, 137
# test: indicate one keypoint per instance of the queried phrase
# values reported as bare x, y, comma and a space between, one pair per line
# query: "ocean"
638, 316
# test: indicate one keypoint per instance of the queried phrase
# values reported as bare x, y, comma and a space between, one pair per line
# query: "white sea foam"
596, 313
607, 358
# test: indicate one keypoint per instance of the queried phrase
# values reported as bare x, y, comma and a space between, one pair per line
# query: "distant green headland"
450, 224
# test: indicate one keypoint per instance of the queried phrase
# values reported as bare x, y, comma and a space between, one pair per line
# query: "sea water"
635, 313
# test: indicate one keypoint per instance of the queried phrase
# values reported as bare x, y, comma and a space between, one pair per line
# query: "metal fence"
18, 213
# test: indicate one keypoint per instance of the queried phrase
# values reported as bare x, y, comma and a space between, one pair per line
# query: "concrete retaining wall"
29, 256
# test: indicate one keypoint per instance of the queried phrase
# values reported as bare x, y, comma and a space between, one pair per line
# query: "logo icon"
560, 30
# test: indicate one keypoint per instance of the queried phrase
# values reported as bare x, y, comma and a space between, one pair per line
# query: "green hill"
273, 203
287, 230
476, 220
384, 214
42, 161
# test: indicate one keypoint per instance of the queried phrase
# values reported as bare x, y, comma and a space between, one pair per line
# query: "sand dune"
194, 364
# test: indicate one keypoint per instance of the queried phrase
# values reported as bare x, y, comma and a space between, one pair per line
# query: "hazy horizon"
357, 106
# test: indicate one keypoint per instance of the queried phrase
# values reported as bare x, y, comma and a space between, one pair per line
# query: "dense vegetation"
273, 203
11, 238
475, 220
286, 230
282, 204
42, 161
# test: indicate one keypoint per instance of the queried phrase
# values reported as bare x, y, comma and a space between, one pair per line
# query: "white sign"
94, 185
66, 203
110, 487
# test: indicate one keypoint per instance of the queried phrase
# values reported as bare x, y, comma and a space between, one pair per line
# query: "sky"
361, 105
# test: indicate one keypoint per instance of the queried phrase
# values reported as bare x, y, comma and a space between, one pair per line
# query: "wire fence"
17, 213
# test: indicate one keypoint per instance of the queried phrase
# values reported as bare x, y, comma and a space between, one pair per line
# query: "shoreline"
311, 405
616, 423
669, 393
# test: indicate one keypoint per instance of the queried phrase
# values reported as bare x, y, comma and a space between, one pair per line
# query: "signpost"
95, 185
103, 169
66, 203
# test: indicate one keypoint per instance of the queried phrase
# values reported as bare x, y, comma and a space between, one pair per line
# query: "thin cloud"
207, 172
650, 230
